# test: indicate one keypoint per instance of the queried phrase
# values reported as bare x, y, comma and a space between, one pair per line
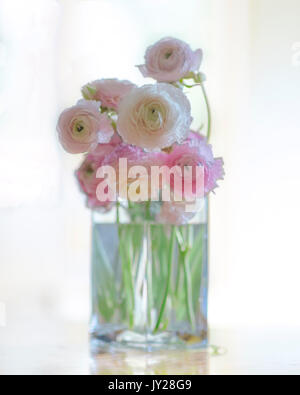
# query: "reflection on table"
49, 347
157, 363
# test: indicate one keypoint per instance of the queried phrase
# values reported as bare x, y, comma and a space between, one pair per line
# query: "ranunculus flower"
108, 91
82, 127
135, 156
154, 117
87, 172
174, 213
195, 153
170, 60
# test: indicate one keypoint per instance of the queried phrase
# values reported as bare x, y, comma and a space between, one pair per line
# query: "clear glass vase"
149, 283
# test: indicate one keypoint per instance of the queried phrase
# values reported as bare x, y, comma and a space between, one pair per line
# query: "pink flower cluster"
148, 126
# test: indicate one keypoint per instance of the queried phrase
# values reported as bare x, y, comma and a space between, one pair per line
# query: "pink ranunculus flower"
86, 175
134, 156
108, 91
192, 154
81, 127
199, 141
170, 60
154, 117
174, 213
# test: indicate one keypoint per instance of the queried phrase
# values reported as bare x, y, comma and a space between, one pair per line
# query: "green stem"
127, 278
198, 78
188, 290
148, 212
208, 133
182, 248
185, 250
148, 235
118, 213
178, 279
169, 277
126, 270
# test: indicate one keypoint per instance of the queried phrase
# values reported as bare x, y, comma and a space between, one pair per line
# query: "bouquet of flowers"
142, 157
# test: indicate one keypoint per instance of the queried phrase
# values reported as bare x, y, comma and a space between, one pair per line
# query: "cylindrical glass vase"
149, 283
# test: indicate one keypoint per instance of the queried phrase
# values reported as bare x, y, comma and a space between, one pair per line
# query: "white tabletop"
50, 347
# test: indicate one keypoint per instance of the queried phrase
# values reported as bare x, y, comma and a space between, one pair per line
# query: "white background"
49, 49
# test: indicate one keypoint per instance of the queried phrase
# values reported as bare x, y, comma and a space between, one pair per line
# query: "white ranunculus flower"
170, 59
154, 117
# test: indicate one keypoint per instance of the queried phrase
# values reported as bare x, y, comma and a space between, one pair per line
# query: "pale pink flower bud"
108, 91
